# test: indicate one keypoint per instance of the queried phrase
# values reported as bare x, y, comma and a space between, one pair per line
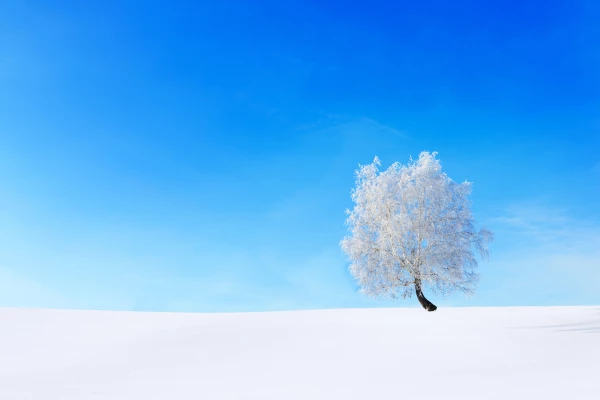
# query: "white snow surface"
454, 353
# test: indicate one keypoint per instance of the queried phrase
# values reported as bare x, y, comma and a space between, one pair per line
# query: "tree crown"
412, 224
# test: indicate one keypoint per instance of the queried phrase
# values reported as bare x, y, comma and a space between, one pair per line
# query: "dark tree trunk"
429, 306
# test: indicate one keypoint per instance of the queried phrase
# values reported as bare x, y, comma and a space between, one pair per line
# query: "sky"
198, 156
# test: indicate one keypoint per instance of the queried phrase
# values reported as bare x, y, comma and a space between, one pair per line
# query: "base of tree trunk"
429, 306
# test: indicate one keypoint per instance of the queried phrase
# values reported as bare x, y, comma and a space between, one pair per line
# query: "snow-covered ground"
454, 353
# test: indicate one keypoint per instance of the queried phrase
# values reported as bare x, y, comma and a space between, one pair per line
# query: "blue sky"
199, 156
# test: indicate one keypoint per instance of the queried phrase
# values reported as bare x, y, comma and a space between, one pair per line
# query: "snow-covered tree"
411, 227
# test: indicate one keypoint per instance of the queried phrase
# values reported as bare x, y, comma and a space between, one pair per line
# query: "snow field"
454, 353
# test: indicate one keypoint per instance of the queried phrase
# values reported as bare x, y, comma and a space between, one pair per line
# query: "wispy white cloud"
349, 125
548, 252
536, 221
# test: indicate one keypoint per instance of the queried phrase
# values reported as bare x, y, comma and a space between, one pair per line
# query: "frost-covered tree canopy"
411, 226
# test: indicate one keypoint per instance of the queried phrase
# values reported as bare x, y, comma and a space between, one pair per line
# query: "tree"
411, 227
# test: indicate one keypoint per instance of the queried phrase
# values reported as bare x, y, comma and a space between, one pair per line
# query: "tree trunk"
429, 306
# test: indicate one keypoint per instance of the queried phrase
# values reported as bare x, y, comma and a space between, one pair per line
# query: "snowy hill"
454, 353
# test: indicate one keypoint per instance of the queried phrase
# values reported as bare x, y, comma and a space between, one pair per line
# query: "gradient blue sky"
199, 156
